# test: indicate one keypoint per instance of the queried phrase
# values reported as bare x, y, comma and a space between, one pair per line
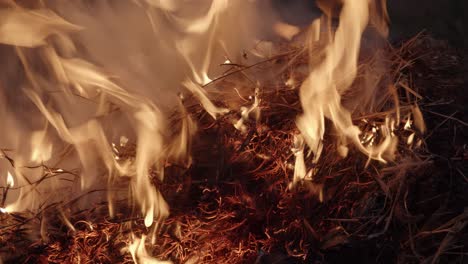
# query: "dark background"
445, 19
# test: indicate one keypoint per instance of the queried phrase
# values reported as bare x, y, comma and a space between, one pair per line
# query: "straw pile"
234, 203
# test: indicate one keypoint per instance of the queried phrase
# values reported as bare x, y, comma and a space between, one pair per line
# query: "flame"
407, 124
299, 166
321, 92
418, 119
10, 180
200, 94
139, 253
246, 112
41, 148
66, 121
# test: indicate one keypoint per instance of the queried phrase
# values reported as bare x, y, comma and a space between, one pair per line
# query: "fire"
321, 92
246, 112
90, 77
139, 253
10, 180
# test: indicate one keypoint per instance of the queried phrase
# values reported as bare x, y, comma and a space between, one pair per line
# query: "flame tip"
10, 180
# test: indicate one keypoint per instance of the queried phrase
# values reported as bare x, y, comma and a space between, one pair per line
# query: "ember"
166, 132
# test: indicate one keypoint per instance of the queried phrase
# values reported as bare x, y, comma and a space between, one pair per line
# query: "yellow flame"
201, 95
246, 112
41, 148
320, 93
410, 139
299, 166
139, 253
407, 124
10, 180
418, 119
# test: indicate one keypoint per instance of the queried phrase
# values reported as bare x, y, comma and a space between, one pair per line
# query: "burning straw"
235, 205
260, 186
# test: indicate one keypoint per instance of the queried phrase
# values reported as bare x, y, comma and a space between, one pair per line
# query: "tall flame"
321, 92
